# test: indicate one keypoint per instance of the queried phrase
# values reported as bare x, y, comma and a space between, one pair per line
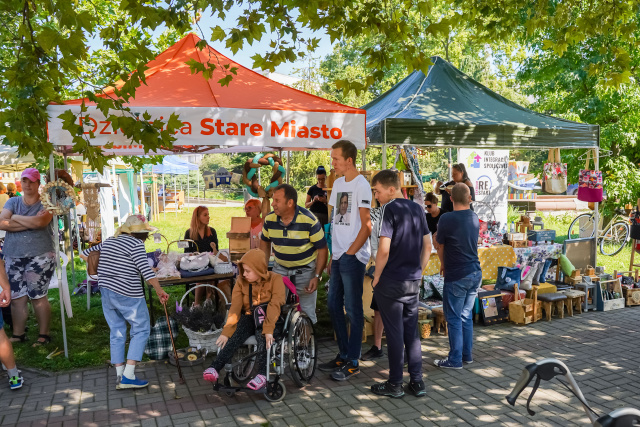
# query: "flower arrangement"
200, 318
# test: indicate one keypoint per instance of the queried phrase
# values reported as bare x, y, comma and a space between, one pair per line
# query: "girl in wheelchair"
268, 290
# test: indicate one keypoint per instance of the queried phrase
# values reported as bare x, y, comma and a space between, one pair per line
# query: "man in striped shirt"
299, 246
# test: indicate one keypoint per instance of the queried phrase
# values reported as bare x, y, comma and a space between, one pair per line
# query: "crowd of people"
398, 235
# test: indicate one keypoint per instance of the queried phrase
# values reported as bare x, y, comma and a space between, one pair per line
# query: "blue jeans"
345, 290
118, 311
458, 299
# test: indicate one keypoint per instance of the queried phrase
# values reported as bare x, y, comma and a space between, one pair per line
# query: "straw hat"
135, 224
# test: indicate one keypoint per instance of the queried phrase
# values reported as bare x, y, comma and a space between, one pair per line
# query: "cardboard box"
515, 236
240, 225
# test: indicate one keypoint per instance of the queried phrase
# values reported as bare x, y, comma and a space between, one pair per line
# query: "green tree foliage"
566, 87
46, 56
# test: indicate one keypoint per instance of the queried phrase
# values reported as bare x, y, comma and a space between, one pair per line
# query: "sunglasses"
429, 206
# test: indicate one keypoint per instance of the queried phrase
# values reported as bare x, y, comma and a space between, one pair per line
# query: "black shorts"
374, 304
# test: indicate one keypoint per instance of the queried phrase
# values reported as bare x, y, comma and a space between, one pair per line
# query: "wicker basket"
205, 340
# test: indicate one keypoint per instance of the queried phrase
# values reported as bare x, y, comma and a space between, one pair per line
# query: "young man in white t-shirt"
351, 203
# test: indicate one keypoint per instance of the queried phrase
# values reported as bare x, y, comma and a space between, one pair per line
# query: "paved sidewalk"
602, 350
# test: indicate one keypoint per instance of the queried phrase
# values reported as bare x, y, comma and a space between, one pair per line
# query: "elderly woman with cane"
122, 260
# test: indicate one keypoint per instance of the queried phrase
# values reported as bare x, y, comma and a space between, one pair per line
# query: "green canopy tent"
447, 108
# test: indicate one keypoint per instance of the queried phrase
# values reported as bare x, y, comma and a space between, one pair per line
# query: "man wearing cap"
29, 256
317, 197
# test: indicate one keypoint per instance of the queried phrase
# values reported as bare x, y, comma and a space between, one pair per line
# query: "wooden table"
490, 259
188, 282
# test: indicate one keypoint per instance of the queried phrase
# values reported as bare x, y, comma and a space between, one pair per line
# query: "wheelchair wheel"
227, 383
303, 354
243, 372
275, 391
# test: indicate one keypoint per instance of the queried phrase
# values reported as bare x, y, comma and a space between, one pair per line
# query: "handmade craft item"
58, 197
250, 178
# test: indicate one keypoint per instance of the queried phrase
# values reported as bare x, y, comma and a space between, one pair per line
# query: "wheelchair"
294, 346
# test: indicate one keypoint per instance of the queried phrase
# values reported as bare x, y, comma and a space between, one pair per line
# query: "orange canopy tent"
252, 113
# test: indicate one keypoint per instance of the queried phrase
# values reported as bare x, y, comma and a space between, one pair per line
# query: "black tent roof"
447, 108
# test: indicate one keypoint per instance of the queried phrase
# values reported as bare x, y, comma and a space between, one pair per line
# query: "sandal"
258, 383
210, 375
38, 343
18, 338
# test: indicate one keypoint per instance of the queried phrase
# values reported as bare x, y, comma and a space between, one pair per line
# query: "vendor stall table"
490, 259
188, 282
540, 253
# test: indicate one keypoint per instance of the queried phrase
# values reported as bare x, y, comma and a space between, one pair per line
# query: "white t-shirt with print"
346, 199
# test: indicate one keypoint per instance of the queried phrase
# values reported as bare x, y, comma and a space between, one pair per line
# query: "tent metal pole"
175, 194
164, 198
56, 242
72, 212
143, 211
384, 147
364, 160
188, 186
288, 165
116, 185
597, 205
450, 165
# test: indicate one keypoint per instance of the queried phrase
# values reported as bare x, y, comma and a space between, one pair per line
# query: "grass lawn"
88, 333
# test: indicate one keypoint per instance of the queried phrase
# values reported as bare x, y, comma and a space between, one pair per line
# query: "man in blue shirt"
458, 252
404, 248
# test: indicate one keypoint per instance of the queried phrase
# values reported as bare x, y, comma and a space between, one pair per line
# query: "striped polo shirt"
295, 244
122, 260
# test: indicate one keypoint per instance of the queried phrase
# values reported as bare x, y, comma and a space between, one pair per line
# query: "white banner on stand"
487, 170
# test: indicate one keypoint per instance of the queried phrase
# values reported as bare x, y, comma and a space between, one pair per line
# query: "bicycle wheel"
582, 226
614, 238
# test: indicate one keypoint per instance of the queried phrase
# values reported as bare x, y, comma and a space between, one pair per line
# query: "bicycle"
614, 237
547, 369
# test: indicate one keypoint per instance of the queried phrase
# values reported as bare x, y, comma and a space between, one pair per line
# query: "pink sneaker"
259, 382
210, 374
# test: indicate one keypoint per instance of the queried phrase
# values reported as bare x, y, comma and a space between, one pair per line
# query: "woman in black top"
317, 197
206, 240
459, 174
433, 213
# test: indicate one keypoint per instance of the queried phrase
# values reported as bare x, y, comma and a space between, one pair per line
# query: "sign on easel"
487, 170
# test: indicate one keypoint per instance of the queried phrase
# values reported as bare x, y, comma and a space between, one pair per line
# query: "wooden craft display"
609, 295
527, 310
631, 296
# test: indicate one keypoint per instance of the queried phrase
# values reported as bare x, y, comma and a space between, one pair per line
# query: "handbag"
159, 342
590, 183
555, 173
93, 259
507, 277
259, 312
195, 262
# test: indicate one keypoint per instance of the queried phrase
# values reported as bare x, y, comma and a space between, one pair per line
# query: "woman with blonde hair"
206, 240
253, 210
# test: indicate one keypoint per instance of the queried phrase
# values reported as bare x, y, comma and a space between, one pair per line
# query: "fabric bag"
195, 262
555, 173
159, 342
507, 277
93, 259
590, 182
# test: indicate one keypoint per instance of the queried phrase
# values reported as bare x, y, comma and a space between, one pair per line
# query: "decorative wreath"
65, 197
250, 179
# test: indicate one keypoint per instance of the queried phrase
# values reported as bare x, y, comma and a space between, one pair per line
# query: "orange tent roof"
169, 83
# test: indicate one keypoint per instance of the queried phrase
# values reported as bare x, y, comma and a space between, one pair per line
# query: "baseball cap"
32, 174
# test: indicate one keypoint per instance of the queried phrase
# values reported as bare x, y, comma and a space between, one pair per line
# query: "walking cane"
173, 344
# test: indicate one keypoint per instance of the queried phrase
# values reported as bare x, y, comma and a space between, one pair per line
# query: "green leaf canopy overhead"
447, 108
